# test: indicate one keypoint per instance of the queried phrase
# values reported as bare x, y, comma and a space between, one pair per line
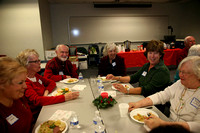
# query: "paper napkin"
61, 115
79, 87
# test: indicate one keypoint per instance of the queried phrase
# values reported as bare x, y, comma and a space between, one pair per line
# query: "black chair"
102, 50
82, 50
93, 54
72, 51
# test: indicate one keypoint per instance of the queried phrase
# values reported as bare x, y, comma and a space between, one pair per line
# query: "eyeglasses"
35, 61
184, 73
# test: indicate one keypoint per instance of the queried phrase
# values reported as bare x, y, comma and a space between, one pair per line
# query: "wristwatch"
128, 88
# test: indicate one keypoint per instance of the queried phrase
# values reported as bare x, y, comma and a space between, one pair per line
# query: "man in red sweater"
60, 67
189, 41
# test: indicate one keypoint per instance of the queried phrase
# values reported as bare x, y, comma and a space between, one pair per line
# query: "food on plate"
52, 126
126, 86
104, 79
72, 80
141, 118
62, 91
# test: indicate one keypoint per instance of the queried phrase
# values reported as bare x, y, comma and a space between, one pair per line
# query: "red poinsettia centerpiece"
104, 101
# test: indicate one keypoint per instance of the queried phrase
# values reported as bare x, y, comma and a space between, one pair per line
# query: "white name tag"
114, 64
40, 81
61, 73
12, 119
195, 102
144, 73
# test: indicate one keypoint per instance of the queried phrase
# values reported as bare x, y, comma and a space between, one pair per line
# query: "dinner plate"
56, 93
38, 127
141, 111
104, 80
70, 80
125, 85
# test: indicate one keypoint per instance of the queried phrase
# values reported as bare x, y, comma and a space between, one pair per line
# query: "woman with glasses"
39, 87
184, 96
15, 113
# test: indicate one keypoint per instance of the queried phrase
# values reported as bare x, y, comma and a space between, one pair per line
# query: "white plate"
141, 111
104, 80
125, 85
38, 127
56, 93
67, 81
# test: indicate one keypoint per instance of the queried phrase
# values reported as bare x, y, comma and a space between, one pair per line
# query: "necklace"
182, 101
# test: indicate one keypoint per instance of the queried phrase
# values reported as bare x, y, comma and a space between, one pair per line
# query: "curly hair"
194, 64
23, 56
10, 68
109, 46
155, 46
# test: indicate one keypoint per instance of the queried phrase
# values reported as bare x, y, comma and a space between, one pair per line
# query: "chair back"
82, 50
93, 49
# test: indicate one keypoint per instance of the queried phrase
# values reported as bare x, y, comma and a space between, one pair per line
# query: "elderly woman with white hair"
111, 63
193, 51
184, 96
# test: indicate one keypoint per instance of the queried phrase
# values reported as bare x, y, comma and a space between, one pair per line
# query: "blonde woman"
15, 113
39, 87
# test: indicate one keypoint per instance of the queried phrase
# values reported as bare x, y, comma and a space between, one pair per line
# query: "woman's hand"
110, 76
67, 77
132, 105
71, 95
46, 92
154, 122
120, 88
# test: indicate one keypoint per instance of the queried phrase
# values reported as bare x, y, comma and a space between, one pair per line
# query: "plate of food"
60, 91
125, 85
52, 126
104, 80
140, 114
70, 80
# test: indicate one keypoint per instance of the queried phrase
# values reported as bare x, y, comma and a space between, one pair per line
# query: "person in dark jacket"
111, 63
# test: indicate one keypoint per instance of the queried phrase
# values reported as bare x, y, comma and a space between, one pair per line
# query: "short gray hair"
195, 64
186, 38
194, 50
23, 56
109, 46
59, 45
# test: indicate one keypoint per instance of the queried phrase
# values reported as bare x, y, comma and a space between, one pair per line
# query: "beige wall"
183, 17
20, 27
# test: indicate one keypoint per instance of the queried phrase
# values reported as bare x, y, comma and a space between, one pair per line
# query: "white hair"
194, 50
59, 45
194, 63
109, 46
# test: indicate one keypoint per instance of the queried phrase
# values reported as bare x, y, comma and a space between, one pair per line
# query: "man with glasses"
60, 67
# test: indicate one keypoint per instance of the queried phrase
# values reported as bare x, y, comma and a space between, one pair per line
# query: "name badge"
195, 102
144, 73
114, 64
61, 73
40, 81
12, 119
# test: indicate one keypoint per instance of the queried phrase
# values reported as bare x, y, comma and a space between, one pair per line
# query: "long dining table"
85, 110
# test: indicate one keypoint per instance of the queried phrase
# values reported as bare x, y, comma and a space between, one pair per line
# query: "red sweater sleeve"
49, 74
48, 83
34, 94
